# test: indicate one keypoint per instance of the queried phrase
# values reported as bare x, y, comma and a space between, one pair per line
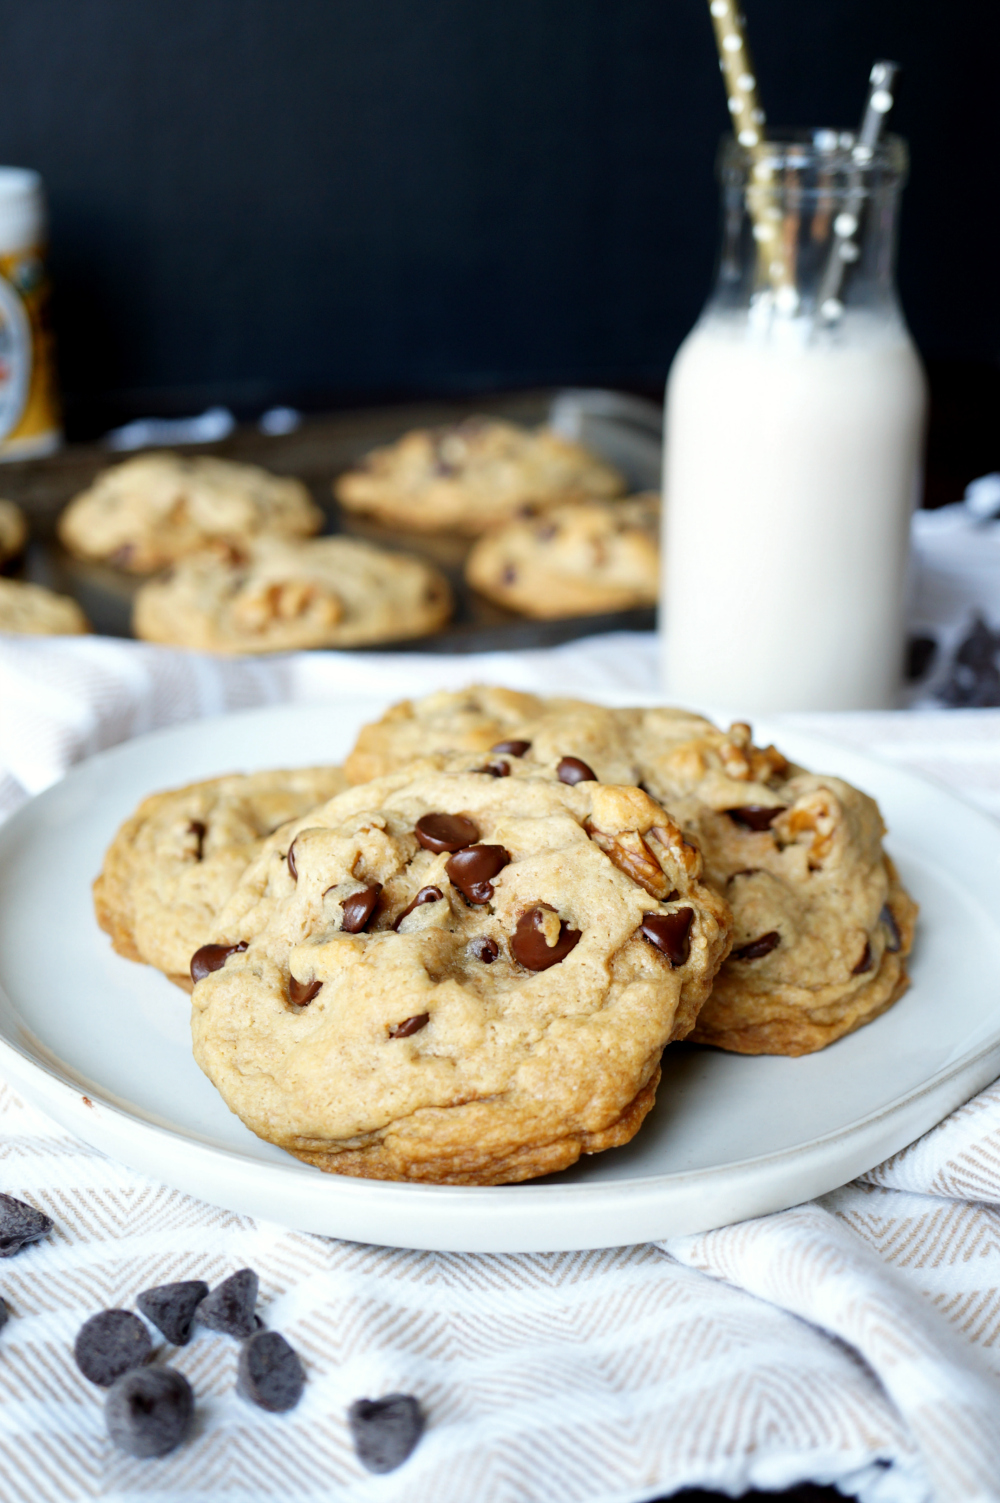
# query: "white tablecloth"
852, 1340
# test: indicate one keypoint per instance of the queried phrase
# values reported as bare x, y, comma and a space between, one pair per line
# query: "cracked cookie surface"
457, 974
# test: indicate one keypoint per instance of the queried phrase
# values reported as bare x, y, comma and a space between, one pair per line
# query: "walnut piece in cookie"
468, 476
503, 1007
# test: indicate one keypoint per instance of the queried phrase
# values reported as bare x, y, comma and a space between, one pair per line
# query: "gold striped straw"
748, 126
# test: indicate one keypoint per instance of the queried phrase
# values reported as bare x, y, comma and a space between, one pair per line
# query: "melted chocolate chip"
472, 870
302, 992
670, 933
758, 948
513, 748
485, 949
528, 944
497, 769
894, 943
425, 895
445, 832
212, 958
509, 575
571, 770
756, 816
359, 907
290, 858
199, 831
865, 963
410, 1025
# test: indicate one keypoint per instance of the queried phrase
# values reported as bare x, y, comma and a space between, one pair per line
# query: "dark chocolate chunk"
893, 944
670, 933
865, 963
445, 832
425, 895
410, 1026
529, 946
385, 1431
109, 1344
290, 858
758, 948
472, 870
497, 769
301, 993
270, 1373
485, 949
199, 831
171, 1308
149, 1411
571, 770
230, 1306
20, 1224
513, 748
359, 907
212, 958
756, 816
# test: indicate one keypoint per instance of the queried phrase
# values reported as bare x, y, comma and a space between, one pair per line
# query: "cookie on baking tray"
156, 508
460, 973
572, 560
174, 863
465, 477
276, 596
13, 533
34, 611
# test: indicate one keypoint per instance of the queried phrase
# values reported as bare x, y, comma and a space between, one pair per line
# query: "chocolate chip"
290, 858
148, 1411
497, 769
509, 575
199, 831
513, 748
270, 1373
893, 944
212, 958
758, 948
485, 949
425, 895
445, 832
529, 946
19, 1225
230, 1306
385, 1431
410, 1026
359, 907
301, 993
756, 816
171, 1308
110, 1343
865, 963
670, 933
472, 869
571, 770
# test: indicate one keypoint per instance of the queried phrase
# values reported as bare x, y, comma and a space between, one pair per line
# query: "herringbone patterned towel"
853, 1340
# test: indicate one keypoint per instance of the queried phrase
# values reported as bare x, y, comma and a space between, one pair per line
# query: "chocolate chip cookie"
459, 973
466, 477
176, 860
275, 596
13, 533
32, 610
157, 508
572, 560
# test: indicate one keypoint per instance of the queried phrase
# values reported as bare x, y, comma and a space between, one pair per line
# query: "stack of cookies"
464, 965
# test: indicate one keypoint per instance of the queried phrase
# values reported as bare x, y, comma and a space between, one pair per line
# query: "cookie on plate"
572, 560
13, 533
156, 508
175, 862
466, 477
35, 611
453, 976
274, 596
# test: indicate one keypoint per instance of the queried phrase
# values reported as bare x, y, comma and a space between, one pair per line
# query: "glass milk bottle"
794, 426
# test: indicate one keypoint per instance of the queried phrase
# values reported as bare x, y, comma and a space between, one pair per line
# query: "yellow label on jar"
29, 404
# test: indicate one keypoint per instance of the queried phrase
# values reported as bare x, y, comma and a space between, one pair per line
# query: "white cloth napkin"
852, 1341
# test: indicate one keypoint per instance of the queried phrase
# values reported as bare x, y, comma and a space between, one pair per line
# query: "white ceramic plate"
101, 1044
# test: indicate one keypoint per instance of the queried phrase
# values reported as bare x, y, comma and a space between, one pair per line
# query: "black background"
331, 201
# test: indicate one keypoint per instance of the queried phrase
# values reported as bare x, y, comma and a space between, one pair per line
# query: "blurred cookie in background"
157, 508
577, 559
13, 534
466, 477
31, 610
277, 596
